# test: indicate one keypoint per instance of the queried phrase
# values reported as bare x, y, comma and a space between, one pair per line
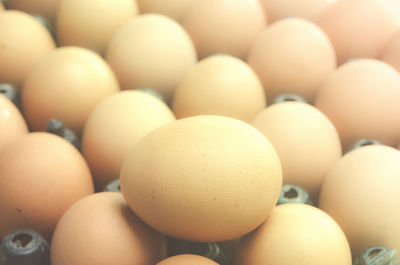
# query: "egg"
361, 99
204, 178
224, 26
174, 9
41, 176
391, 53
101, 229
307, 9
361, 194
295, 234
219, 85
1, 6
306, 141
45, 8
23, 41
292, 55
12, 123
114, 127
187, 259
92, 23
151, 51
66, 84
359, 28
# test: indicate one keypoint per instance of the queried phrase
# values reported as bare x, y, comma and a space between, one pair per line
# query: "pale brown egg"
362, 98
92, 23
219, 85
1, 6
187, 259
359, 28
224, 26
66, 84
202, 178
295, 234
12, 123
45, 8
115, 126
42, 175
361, 193
175, 9
23, 40
101, 229
391, 53
307, 9
292, 55
151, 51
306, 141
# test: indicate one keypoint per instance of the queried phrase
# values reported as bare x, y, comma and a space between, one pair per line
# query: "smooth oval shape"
295, 234
175, 9
187, 259
202, 178
391, 53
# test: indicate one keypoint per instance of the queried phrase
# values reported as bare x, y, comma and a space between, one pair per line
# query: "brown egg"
92, 23
151, 51
307, 9
292, 56
203, 178
66, 84
114, 127
41, 176
295, 234
359, 28
1, 6
101, 229
12, 124
23, 40
361, 193
361, 99
174, 9
224, 26
46, 8
220, 85
187, 259
306, 141
391, 53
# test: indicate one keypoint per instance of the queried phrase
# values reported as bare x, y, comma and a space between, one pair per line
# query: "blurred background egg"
306, 141
175, 9
362, 98
12, 123
292, 55
101, 229
45, 8
114, 127
219, 85
359, 28
295, 234
23, 40
361, 193
224, 26
42, 175
391, 53
1, 6
66, 84
92, 23
203, 178
187, 259
151, 51
307, 9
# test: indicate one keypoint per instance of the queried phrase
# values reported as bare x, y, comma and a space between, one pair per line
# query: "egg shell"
66, 84
151, 51
219, 85
41, 176
295, 234
46, 8
101, 229
292, 55
92, 23
224, 26
115, 126
361, 194
175, 9
202, 178
23, 41
12, 123
306, 141
361, 98
391, 53
187, 259
1, 6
